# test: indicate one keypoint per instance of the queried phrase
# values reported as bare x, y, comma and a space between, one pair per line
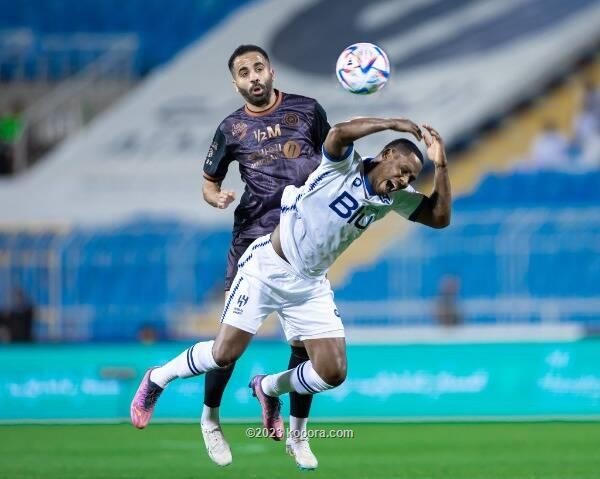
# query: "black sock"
299, 403
215, 382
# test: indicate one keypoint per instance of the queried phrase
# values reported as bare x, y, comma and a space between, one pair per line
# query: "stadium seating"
108, 284
519, 236
530, 237
163, 29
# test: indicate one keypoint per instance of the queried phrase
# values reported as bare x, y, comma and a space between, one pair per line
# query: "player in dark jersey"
276, 140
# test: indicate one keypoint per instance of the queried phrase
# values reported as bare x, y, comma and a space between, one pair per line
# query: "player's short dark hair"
405, 146
245, 49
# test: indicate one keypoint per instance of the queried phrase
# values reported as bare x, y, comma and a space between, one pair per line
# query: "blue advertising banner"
470, 381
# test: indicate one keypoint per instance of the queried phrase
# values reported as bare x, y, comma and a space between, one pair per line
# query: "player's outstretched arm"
436, 208
215, 196
344, 134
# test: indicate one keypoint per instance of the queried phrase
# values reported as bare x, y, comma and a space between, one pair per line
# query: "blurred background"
110, 261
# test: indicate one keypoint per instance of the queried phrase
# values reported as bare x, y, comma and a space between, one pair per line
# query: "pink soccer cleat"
144, 401
271, 407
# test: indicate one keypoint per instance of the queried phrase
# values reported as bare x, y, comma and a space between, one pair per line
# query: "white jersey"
323, 217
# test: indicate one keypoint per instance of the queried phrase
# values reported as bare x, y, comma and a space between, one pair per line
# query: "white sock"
277, 384
192, 362
210, 416
303, 379
298, 427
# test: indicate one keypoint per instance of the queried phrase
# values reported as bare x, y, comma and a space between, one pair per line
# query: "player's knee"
224, 356
334, 373
336, 377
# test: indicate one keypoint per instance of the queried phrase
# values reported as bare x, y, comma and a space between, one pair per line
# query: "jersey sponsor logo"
239, 130
269, 132
258, 159
347, 207
266, 156
344, 205
291, 149
291, 119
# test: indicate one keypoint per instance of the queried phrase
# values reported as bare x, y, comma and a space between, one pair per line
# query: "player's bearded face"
258, 93
253, 78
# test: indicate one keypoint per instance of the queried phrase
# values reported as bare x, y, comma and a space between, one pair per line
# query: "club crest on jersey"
347, 207
291, 119
385, 199
239, 130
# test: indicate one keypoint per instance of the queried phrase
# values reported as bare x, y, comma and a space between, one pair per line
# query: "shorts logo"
241, 302
290, 119
239, 130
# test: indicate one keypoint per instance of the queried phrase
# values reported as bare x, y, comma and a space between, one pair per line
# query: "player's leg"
297, 444
245, 309
299, 403
216, 445
197, 359
314, 319
325, 369
216, 381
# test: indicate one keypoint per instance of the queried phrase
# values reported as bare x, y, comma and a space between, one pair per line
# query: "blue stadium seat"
162, 27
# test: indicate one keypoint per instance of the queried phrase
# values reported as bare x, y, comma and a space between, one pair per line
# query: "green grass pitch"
411, 451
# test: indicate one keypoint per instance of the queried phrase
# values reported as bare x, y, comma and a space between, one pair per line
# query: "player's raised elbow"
336, 134
336, 141
440, 221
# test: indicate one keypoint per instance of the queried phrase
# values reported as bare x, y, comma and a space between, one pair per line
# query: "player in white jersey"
285, 272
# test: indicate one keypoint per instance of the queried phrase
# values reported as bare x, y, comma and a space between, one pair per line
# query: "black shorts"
236, 250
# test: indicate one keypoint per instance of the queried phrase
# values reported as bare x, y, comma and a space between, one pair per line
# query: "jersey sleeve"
218, 158
320, 126
407, 202
339, 163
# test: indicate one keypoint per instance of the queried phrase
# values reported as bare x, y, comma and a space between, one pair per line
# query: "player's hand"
406, 126
435, 146
224, 199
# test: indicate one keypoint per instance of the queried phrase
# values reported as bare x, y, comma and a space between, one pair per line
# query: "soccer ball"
362, 68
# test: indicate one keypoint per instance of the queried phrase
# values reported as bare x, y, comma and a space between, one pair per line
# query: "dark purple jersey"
275, 148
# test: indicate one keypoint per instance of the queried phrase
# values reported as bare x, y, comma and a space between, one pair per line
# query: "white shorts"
266, 283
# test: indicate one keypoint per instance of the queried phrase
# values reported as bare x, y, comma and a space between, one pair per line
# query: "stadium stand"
108, 284
507, 238
524, 246
85, 234
52, 31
